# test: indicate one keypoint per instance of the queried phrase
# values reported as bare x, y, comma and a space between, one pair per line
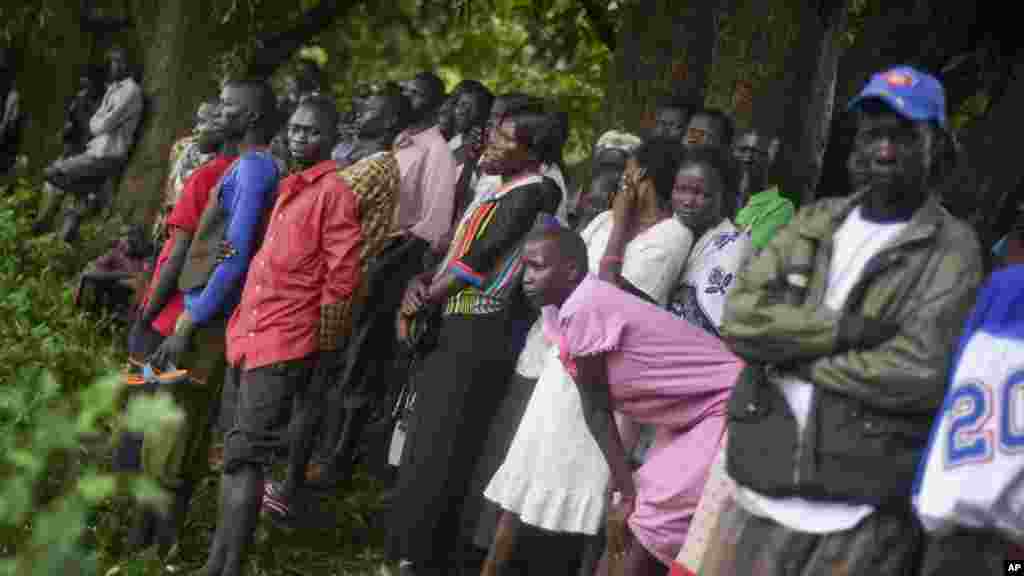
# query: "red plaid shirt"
309, 258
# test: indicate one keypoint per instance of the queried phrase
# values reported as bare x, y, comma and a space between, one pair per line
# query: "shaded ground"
36, 282
346, 539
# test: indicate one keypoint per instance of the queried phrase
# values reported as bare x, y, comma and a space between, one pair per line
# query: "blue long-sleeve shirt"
246, 194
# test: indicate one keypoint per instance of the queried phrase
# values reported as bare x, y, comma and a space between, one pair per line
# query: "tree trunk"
52, 59
797, 106
986, 184
664, 47
178, 75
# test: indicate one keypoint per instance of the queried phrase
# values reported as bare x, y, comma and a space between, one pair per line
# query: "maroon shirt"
309, 258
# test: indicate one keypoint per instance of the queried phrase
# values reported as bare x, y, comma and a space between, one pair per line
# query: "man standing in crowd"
235, 213
670, 119
113, 132
848, 317
294, 306
762, 210
372, 349
162, 303
428, 167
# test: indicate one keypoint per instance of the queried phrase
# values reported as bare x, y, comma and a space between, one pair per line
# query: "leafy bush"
59, 401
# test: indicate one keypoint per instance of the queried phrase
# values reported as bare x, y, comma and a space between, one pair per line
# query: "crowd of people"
666, 370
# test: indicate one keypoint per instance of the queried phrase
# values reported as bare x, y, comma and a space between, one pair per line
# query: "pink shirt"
662, 371
427, 190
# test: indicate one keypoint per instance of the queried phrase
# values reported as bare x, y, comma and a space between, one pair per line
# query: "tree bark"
798, 106
177, 77
664, 47
985, 186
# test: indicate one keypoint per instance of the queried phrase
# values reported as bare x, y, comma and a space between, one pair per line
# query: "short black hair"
661, 157
326, 107
433, 87
570, 244
265, 102
724, 121
722, 164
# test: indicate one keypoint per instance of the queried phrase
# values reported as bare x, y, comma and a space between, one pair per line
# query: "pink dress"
661, 371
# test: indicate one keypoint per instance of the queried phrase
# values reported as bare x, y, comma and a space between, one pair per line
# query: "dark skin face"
375, 117
418, 95
505, 154
548, 277
890, 163
703, 130
237, 112
310, 136
209, 135
669, 123
117, 66
608, 167
468, 112
754, 154
696, 194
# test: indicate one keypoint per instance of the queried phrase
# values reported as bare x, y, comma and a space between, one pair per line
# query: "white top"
652, 262
855, 242
114, 122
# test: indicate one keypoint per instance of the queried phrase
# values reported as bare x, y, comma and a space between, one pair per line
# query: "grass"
43, 331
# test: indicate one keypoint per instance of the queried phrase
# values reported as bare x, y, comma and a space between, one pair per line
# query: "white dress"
555, 476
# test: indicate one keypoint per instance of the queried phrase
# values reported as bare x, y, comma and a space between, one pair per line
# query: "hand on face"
628, 201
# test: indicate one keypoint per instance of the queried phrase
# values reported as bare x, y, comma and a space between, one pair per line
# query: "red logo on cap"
899, 79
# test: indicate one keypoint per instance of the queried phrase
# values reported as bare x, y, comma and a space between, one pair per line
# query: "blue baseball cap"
909, 92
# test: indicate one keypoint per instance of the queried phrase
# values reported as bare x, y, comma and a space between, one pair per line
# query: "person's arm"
760, 325
592, 381
127, 103
166, 285
341, 238
906, 372
256, 179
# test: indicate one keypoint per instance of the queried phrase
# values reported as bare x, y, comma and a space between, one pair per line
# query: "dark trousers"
263, 409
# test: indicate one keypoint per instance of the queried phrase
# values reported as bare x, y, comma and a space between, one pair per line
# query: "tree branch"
273, 50
601, 21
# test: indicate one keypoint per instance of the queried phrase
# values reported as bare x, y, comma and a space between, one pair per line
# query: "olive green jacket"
873, 405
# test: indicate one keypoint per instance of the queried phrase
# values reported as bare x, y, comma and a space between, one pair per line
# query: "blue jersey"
972, 473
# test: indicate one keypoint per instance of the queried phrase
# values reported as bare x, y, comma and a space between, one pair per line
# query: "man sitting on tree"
112, 127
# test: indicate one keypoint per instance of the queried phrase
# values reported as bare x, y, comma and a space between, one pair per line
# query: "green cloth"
765, 213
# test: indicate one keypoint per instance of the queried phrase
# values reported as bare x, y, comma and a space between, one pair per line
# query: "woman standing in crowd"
554, 476
457, 399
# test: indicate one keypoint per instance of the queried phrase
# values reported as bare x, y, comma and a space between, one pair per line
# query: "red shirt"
309, 257
185, 216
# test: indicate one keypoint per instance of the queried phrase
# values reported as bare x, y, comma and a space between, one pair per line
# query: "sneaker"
277, 508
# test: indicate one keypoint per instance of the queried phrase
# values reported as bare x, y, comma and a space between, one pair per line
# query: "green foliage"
59, 400
500, 42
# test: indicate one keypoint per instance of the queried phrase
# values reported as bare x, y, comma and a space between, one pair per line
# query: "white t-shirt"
855, 242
